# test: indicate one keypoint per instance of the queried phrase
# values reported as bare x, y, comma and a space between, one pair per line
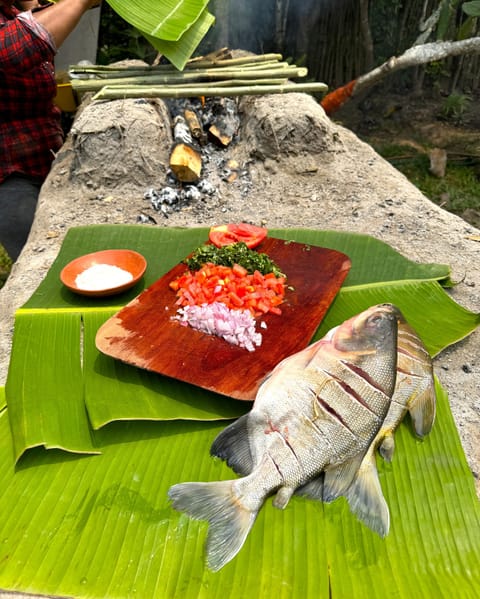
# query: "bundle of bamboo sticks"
205, 76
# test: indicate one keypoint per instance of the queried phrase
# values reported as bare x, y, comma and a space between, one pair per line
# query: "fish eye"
376, 318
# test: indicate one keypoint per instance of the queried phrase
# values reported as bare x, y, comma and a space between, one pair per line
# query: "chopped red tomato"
232, 286
251, 235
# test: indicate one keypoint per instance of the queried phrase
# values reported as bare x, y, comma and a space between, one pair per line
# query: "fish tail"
217, 503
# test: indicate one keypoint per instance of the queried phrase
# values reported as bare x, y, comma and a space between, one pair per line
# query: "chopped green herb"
235, 253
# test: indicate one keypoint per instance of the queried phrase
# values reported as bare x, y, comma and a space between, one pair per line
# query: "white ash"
159, 198
206, 187
181, 131
144, 219
191, 193
168, 198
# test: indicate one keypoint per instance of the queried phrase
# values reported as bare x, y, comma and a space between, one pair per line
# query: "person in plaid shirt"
30, 124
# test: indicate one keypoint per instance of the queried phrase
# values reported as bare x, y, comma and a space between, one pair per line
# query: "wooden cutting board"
143, 333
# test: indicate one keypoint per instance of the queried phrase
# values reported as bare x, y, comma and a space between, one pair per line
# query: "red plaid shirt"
30, 127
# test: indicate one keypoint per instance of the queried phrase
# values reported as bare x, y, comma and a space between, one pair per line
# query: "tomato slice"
251, 235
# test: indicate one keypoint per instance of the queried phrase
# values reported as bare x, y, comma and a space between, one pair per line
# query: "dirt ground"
417, 124
289, 166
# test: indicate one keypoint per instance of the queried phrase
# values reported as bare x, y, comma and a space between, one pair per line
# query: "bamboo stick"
91, 85
234, 61
92, 73
171, 91
194, 64
225, 83
241, 82
269, 65
89, 72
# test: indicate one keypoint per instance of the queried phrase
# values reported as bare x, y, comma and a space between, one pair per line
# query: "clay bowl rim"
129, 260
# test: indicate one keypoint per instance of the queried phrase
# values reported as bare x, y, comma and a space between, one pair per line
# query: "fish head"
369, 341
371, 330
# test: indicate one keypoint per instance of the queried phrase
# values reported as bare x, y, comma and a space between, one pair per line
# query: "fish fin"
282, 497
422, 410
232, 445
313, 489
339, 478
217, 503
387, 447
366, 500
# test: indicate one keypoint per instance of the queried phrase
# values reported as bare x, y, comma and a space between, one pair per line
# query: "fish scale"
374, 396
346, 402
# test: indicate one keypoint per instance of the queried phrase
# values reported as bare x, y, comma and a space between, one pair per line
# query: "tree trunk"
366, 34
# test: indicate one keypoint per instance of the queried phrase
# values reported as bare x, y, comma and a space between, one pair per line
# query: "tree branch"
417, 55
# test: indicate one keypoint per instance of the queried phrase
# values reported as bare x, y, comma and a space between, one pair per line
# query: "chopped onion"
235, 326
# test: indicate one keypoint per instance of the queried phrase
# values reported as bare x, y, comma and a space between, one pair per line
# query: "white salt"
102, 276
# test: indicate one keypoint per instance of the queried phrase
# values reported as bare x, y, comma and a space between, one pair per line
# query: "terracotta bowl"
128, 260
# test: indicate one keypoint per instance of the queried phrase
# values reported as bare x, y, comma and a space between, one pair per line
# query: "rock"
438, 162
120, 145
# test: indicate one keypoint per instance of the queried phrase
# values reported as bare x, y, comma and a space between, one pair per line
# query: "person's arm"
61, 18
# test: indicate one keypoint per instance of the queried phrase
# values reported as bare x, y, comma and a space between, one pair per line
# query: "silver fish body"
317, 409
357, 479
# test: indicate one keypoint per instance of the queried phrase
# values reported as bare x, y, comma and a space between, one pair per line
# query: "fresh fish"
318, 408
357, 479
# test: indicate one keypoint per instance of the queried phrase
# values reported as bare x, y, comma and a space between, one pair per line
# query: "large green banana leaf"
165, 19
101, 526
174, 27
180, 51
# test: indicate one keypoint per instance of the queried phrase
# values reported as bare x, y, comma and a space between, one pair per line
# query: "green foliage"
447, 11
126, 31
458, 191
436, 73
472, 9
102, 526
118, 40
5, 265
167, 20
228, 255
455, 106
397, 25
385, 36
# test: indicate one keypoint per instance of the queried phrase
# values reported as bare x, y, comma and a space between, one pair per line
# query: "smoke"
323, 35
284, 26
